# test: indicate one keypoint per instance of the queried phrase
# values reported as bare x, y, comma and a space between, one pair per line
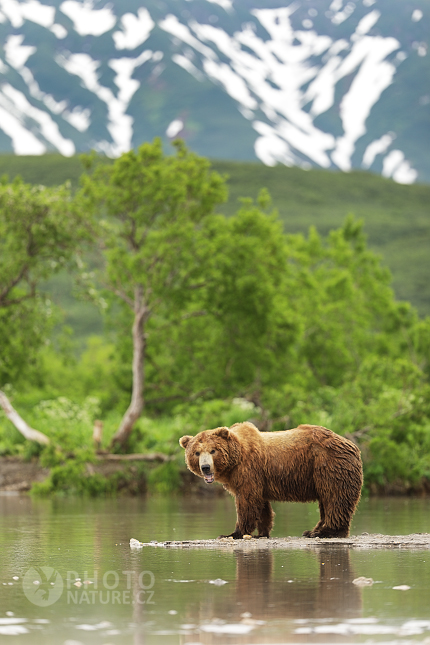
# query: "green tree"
197, 291
241, 340
152, 210
39, 233
346, 306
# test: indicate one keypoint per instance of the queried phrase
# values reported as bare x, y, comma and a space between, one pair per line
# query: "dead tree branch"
19, 423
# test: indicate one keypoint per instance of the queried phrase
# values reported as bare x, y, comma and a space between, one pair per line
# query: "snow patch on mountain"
79, 118
24, 142
22, 116
174, 128
88, 21
56, 107
282, 78
396, 166
374, 75
225, 4
172, 25
339, 13
377, 147
16, 12
120, 124
16, 53
188, 66
135, 29
124, 68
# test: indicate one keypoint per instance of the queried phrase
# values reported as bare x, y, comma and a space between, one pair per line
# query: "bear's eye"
197, 454
212, 452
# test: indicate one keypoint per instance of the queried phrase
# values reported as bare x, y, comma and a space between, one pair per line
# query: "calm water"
93, 589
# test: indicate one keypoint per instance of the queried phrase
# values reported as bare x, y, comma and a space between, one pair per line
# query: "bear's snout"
207, 468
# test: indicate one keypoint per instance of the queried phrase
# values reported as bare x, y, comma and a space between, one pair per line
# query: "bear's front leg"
247, 510
236, 535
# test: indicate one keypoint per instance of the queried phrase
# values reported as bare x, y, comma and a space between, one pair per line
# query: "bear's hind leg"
327, 532
265, 521
333, 522
339, 511
338, 478
315, 532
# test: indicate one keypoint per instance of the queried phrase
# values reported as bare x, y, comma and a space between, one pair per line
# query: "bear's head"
212, 453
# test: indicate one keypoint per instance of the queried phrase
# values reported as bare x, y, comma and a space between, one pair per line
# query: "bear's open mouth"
209, 479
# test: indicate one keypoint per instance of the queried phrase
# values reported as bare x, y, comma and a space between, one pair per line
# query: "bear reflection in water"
283, 591
273, 587
305, 464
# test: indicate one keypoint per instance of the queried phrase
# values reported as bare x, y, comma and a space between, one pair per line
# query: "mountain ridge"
323, 83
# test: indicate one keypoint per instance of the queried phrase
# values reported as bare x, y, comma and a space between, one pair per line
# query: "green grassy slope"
49, 170
396, 217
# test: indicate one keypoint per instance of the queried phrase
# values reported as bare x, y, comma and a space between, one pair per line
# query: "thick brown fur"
305, 464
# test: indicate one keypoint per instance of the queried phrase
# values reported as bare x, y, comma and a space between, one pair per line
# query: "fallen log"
19, 423
151, 456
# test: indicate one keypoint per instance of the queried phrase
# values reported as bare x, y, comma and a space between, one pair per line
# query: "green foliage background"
396, 217
325, 341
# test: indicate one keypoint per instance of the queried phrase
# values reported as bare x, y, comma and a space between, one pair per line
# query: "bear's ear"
224, 433
185, 440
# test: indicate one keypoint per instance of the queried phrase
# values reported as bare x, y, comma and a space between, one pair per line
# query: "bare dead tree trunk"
136, 406
97, 434
19, 423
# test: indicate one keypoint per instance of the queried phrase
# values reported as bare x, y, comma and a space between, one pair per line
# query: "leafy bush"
164, 478
73, 477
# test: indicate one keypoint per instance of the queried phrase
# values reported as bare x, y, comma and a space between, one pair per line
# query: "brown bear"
305, 464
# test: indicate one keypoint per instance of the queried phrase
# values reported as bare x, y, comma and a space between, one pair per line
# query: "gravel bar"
364, 541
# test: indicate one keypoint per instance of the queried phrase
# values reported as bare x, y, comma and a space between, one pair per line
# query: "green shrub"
71, 478
164, 478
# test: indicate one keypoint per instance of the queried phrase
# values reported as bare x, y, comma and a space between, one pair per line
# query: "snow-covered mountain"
329, 83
